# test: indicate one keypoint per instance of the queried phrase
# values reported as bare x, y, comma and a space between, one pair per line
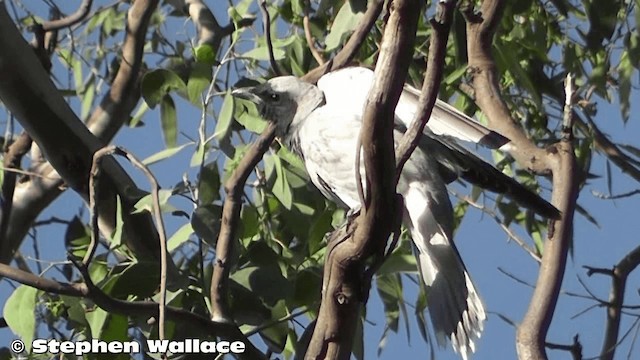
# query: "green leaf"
87, 97
358, 340
199, 155
137, 117
199, 81
157, 83
281, 188
266, 282
179, 237
250, 119
625, 71
164, 154
225, 117
344, 24
261, 53
209, 184
276, 336
116, 238
169, 120
205, 54
140, 279
146, 203
96, 319
76, 237
398, 262
205, 221
19, 313
455, 75
507, 58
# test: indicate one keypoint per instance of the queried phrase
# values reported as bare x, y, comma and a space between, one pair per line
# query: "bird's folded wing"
349, 88
328, 140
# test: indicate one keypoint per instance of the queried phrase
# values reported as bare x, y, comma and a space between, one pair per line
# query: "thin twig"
441, 25
79, 15
266, 20
350, 49
307, 34
512, 235
157, 214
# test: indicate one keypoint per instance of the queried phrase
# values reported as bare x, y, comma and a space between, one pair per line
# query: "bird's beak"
247, 93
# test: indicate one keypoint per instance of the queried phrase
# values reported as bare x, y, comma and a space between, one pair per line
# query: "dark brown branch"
617, 196
619, 276
35, 281
230, 222
343, 285
266, 21
441, 25
76, 17
574, 349
348, 52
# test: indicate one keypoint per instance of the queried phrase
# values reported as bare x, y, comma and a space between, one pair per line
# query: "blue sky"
483, 245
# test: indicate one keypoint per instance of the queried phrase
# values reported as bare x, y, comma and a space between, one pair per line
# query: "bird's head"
284, 100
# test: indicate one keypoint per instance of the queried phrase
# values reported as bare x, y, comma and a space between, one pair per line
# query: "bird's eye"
274, 97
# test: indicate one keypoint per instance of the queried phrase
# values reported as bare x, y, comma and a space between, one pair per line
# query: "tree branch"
307, 34
441, 25
343, 285
33, 196
76, 17
619, 276
348, 52
66, 142
266, 21
134, 309
532, 332
480, 29
230, 222
558, 160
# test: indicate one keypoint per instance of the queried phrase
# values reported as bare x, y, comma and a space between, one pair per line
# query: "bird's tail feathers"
455, 158
456, 311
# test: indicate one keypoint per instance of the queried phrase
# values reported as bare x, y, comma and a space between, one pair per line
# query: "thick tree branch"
480, 29
343, 285
66, 142
33, 196
230, 222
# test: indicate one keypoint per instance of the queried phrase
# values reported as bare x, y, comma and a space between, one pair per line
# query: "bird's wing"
350, 87
328, 140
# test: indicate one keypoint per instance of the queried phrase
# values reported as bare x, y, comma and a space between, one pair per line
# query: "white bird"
322, 124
